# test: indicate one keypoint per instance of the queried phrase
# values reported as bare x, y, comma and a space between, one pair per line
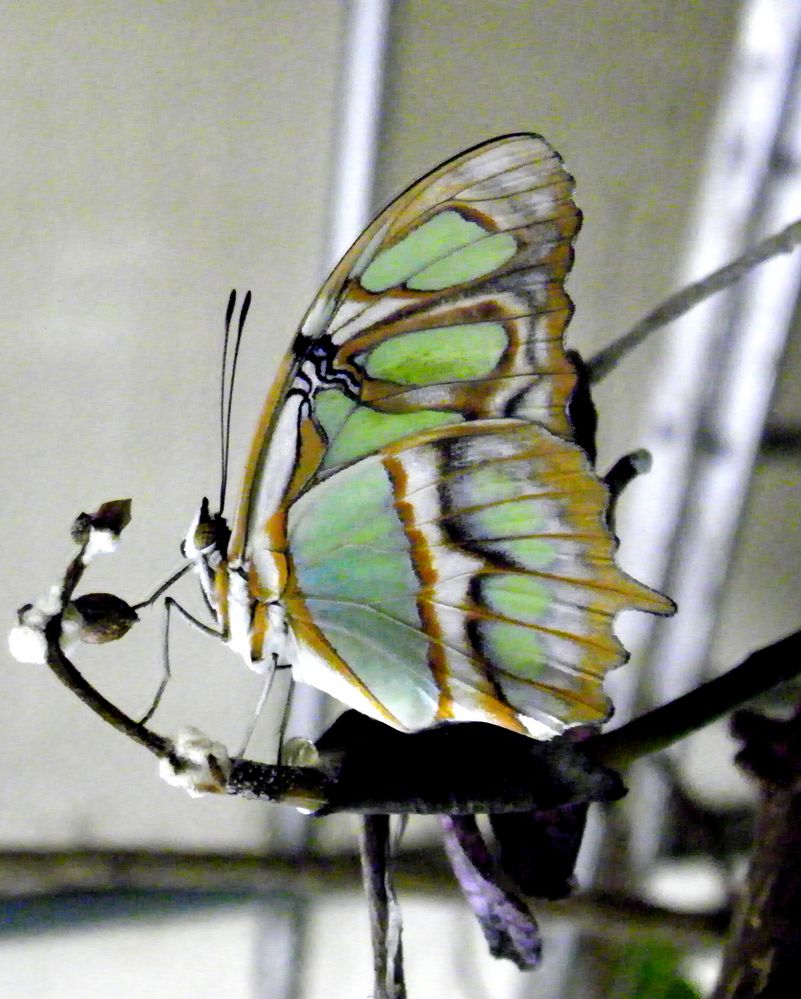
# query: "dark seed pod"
102, 617
113, 516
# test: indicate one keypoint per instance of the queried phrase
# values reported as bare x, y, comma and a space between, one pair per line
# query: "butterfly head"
206, 541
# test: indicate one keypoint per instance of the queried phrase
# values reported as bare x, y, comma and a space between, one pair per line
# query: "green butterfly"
419, 534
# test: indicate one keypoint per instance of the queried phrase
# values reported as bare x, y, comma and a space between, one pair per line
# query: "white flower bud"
27, 644
101, 542
27, 641
197, 764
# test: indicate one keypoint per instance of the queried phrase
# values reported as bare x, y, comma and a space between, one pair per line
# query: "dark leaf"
538, 849
508, 925
460, 768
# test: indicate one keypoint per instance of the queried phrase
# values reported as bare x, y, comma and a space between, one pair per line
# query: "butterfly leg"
265, 693
169, 603
163, 588
620, 475
285, 714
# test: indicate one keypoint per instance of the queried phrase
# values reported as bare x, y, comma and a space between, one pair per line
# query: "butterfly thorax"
250, 583
254, 614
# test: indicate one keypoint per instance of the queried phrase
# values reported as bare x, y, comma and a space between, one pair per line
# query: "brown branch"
378, 876
72, 678
660, 728
763, 956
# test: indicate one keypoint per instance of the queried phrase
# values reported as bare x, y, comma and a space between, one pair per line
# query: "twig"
663, 726
80, 686
382, 903
607, 358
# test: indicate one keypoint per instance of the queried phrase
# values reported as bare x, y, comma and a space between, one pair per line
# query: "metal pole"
278, 973
711, 401
357, 125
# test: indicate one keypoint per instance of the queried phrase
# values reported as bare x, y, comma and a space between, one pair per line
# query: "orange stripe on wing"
425, 571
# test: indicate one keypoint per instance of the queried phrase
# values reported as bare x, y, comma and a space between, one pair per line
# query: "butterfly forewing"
414, 499
489, 236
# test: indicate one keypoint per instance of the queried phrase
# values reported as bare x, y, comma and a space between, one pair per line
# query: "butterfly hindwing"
465, 573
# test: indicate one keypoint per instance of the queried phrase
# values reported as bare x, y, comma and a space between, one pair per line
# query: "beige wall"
156, 155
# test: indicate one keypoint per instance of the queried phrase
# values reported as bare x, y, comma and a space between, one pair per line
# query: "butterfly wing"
450, 306
444, 547
464, 573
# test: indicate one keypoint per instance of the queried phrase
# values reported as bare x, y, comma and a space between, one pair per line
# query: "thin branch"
382, 904
687, 298
72, 677
663, 726
80, 686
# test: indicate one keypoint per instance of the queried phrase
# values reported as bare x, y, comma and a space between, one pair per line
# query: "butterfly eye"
200, 534
204, 536
203, 532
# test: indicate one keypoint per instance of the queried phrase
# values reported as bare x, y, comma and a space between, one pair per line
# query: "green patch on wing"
359, 511
471, 262
366, 431
515, 518
509, 529
388, 656
353, 567
531, 554
443, 354
486, 484
441, 234
514, 647
331, 409
447, 249
348, 543
361, 575
519, 597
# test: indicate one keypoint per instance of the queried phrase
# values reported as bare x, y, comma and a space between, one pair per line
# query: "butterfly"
419, 533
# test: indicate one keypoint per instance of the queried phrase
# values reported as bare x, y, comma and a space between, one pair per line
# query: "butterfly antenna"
226, 433
225, 403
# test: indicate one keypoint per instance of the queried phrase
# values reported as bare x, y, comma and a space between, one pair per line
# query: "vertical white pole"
357, 124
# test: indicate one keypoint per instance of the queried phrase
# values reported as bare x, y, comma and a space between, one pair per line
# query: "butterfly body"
419, 534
